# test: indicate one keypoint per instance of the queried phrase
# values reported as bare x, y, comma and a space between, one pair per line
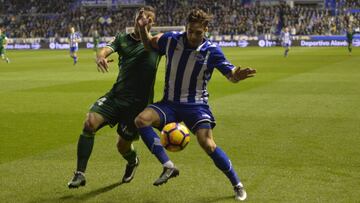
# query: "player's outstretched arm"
150, 42
101, 59
239, 73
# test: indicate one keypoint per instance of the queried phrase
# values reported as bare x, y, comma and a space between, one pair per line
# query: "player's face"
195, 33
72, 29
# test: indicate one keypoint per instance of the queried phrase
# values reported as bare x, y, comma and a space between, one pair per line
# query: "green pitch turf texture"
292, 132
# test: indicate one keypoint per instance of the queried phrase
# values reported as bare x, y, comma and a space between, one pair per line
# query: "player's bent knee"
142, 120
89, 128
90, 124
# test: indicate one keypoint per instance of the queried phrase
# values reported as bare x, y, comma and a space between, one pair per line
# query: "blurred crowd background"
40, 18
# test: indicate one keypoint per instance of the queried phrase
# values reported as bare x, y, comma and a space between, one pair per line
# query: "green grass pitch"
292, 132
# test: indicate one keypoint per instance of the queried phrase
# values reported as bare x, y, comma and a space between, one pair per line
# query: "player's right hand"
141, 19
102, 64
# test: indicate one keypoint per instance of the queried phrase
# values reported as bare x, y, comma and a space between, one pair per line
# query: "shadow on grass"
91, 194
229, 198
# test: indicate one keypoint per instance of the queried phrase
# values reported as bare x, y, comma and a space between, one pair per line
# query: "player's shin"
152, 141
84, 149
223, 163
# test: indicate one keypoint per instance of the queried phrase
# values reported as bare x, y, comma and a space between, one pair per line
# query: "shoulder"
173, 34
213, 48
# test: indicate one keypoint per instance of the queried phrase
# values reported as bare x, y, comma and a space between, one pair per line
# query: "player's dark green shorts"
121, 113
2, 50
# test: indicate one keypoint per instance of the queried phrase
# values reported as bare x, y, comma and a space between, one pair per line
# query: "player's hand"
102, 64
141, 19
242, 74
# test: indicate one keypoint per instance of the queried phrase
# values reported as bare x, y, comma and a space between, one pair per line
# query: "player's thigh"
163, 113
107, 107
127, 129
127, 132
194, 117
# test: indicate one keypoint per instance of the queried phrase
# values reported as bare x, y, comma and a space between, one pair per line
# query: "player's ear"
206, 29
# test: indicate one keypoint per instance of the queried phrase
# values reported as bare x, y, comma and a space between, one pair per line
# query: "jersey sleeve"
114, 44
219, 61
163, 42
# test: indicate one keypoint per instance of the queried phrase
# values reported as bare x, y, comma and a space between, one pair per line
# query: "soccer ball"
174, 137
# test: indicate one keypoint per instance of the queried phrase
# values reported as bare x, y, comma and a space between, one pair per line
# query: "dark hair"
199, 16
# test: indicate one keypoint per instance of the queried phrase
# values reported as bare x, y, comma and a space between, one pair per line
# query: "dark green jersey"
349, 35
2, 40
96, 38
137, 70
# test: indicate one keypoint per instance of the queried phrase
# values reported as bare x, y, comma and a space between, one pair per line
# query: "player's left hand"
242, 74
102, 64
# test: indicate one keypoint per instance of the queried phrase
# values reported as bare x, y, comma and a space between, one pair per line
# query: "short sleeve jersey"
137, 69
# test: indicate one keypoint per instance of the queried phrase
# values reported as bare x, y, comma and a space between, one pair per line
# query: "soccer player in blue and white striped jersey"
286, 41
190, 62
74, 39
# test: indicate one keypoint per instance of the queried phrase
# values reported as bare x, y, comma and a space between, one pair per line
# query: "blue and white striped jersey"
285, 37
73, 37
188, 71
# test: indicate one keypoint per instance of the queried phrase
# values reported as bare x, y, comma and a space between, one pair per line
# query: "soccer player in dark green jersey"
130, 94
349, 38
96, 40
3, 43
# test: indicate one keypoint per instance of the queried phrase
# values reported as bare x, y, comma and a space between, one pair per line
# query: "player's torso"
73, 39
187, 73
137, 69
286, 37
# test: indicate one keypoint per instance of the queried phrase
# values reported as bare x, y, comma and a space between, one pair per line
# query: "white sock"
239, 185
82, 173
169, 164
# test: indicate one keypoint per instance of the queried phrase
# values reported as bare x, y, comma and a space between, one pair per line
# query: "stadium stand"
24, 19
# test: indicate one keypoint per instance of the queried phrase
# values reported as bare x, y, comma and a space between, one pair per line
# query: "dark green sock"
130, 156
350, 48
85, 146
